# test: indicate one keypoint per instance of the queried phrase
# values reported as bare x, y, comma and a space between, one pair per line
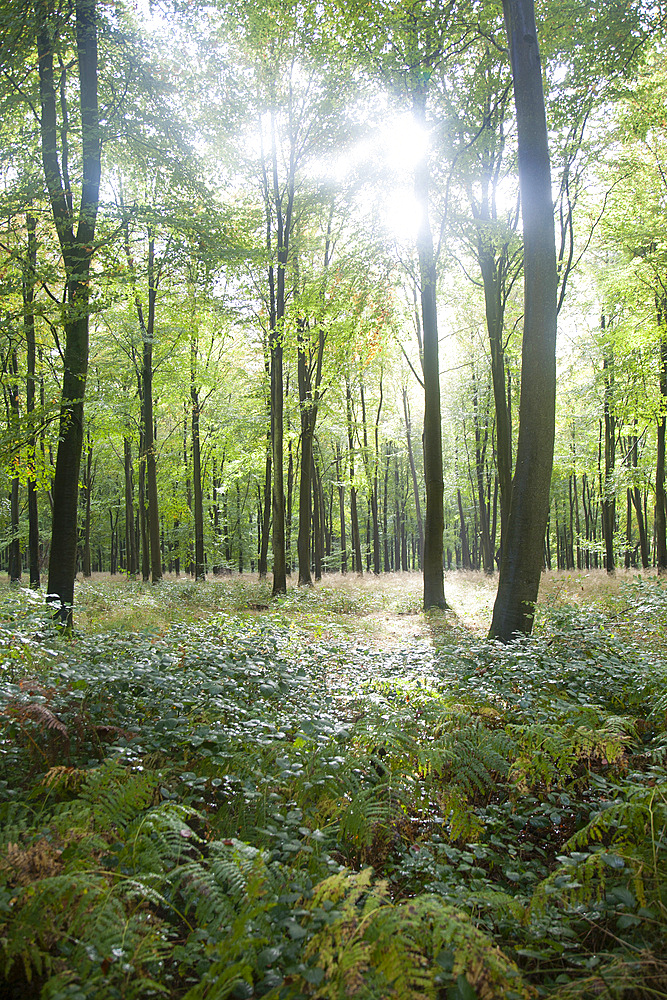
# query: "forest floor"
207, 792
390, 604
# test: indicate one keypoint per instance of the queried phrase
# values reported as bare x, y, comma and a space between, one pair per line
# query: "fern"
212, 888
627, 842
364, 945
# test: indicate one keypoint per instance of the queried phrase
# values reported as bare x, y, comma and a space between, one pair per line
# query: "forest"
332, 504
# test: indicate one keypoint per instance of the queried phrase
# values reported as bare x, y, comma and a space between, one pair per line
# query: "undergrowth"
207, 793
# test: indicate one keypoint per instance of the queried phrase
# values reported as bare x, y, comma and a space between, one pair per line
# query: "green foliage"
264, 802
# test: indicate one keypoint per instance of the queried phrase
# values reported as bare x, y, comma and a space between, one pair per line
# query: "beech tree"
521, 560
76, 234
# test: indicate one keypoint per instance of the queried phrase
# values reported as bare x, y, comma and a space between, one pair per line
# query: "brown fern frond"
24, 865
45, 717
64, 778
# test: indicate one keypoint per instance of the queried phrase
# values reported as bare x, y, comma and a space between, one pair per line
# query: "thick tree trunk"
522, 555
434, 588
77, 255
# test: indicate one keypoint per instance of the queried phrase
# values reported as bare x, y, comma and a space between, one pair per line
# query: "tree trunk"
77, 255
660, 499
341, 509
413, 473
434, 587
88, 489
130, 533
14, 417
318, 525
200, 566
522, 555
266, 514
608, 501
288, 510
29, 281
354, 515
148, 333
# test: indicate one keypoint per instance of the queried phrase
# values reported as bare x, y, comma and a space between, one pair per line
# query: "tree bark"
130, 533
354, 514
341, 509
413, 473
434, 523
15, 437
200, 566
29, 281
77, 255
522, 555
86, 565
608, 500
660, 499
148, 335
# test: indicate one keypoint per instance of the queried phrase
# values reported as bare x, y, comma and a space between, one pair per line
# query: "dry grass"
387, 607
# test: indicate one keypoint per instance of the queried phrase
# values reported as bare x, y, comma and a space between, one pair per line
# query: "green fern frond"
117, 795
409, 951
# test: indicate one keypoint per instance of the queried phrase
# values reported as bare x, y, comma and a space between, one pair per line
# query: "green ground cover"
206, 793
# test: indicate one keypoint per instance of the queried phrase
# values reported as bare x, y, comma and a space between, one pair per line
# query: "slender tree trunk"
635, 495
385, 523
29, 281
413, 473
88, 488
318, 526
374, 490
495, 322
266, 513
480, 458
288, 510
284, 229
14, 419
660, 499
308, 415
522, 551
608, 487
341, 509
466, 561
354, 515
148, 333
200, 566
130, 534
